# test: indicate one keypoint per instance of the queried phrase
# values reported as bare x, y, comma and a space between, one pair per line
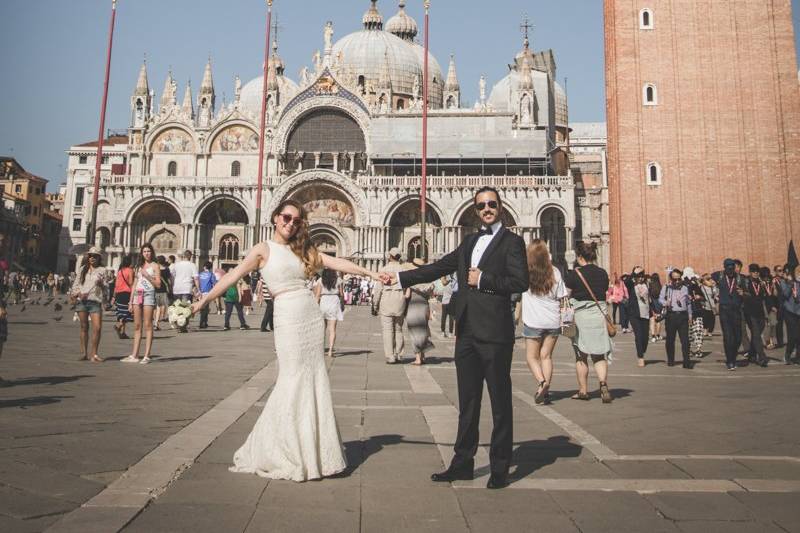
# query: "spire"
188, 107
168, 96
452, 78
207, 87
142, 87
372, 19
385, 78
526, 79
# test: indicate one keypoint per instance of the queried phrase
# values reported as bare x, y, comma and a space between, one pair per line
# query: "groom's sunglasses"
480, 206
286, 217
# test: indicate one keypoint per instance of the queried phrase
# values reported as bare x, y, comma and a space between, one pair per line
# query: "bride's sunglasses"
286, 217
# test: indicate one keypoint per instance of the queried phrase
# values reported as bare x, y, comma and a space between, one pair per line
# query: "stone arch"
552, 220
207, 202
354, 193
103, 237
134, 208
294, 112
156, 133
218, 217
329, 234
545, 207
219, 129
149, 217
434, 211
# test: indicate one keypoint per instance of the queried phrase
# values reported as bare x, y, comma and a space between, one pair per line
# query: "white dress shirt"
481, 246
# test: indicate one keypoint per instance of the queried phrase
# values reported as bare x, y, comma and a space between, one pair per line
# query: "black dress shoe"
462, 473
497, 481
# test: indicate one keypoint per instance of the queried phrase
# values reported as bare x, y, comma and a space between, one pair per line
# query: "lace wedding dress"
296, 436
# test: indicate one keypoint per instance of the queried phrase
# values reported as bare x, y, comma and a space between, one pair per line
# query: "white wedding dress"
296, 436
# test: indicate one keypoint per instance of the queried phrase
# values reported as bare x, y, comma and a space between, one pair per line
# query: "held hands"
473, 277
197, 306
387, 279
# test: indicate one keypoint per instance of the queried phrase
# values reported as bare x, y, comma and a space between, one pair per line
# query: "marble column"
317, 156
336, 161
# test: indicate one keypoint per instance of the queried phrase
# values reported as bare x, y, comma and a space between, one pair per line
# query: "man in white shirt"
184, 276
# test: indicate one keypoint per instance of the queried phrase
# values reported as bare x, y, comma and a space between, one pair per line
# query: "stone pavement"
103, 447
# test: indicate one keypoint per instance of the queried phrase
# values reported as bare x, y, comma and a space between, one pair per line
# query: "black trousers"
447, 315
266, 322
709, 320
641, 330
792, 334
476, 362
677, 323
779, 325
730, 320
756, 326
239, 312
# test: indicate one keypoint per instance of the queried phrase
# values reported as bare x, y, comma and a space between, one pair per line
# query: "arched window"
653, 173
236, 169
650, 94
172, 168
646, 19
401, 104
229, 248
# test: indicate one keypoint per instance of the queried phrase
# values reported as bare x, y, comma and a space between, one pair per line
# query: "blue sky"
52, 55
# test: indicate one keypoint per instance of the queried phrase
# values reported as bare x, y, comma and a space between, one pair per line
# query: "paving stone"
24, 505
594, 512
533, 522
713, 468
276, 520
236, 489
694, 506
780, 508
211, 518
646, 469
766, 469
706, 526
325, 495
49, 482
412, 521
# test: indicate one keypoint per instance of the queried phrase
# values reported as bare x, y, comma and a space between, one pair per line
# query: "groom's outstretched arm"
428, 273
516, 279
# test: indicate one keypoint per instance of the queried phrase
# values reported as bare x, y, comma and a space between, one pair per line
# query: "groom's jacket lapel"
493, 244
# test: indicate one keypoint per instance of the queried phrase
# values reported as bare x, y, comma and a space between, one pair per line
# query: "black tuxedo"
485, 337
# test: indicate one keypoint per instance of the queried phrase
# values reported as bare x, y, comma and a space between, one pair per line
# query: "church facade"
345, 141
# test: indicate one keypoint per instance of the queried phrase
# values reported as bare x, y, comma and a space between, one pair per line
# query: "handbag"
610, 327
568, 327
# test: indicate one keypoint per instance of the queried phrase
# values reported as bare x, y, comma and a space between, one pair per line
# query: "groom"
491, 266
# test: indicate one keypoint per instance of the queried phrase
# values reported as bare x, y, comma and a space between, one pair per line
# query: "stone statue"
304, 77
416, 87
317, 59
482, 86
328, 35
237, 89
525, 109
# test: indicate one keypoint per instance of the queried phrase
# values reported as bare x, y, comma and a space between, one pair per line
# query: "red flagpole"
91, 227
424, 188
261, 137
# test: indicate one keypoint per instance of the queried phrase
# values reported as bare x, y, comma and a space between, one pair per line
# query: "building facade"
703, 113
27, 192
345, 141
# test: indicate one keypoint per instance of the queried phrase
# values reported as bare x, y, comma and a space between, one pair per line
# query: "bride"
295, 436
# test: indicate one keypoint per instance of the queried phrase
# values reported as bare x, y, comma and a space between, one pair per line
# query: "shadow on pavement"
352, 352
567, 394
358, 451
534, 454
159, 359
24, 323
44, 380
33, 401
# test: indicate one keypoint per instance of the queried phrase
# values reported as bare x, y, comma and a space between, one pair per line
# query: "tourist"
218, 273
731, 288
780, 274
790, 288
246, 294
541, 316
697, 323
447, 319
771, 305
206, 281
591, 317
617, 296
184, 281
674, 298
233, 299
162, 293
638, 310
754, 313
710, 301
123, 286
330, 297
389, 303
266, 299
143, 301
418, 315
656, 309
87, 296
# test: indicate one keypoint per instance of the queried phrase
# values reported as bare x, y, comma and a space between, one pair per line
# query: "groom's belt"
484, 291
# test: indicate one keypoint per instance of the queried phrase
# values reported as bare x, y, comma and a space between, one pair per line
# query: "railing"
465, 182
380, 182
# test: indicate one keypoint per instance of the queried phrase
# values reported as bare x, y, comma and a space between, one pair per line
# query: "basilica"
345, 140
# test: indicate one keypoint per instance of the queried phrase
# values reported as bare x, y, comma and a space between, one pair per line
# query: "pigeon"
23, 308
57, 307
58, 318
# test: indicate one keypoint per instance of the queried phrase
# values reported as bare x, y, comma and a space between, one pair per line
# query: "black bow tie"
485, 231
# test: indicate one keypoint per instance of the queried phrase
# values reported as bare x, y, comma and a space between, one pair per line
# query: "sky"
52, 55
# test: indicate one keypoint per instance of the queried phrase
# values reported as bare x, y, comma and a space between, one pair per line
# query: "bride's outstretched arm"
257, 256
347, 267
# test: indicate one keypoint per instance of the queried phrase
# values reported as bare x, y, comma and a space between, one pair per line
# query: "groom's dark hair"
486, 188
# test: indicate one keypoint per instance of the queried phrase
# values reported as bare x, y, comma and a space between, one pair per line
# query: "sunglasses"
286, 217
480, 206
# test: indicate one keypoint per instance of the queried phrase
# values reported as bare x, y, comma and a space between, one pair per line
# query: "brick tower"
703, 108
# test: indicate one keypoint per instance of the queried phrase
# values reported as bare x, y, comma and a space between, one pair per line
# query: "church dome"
434, 71
402, 25
254, 89
365, 53
372, 19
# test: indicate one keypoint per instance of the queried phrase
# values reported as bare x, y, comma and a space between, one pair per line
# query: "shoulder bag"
610, 327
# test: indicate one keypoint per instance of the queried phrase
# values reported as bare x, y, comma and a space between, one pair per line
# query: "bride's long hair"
300, 243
